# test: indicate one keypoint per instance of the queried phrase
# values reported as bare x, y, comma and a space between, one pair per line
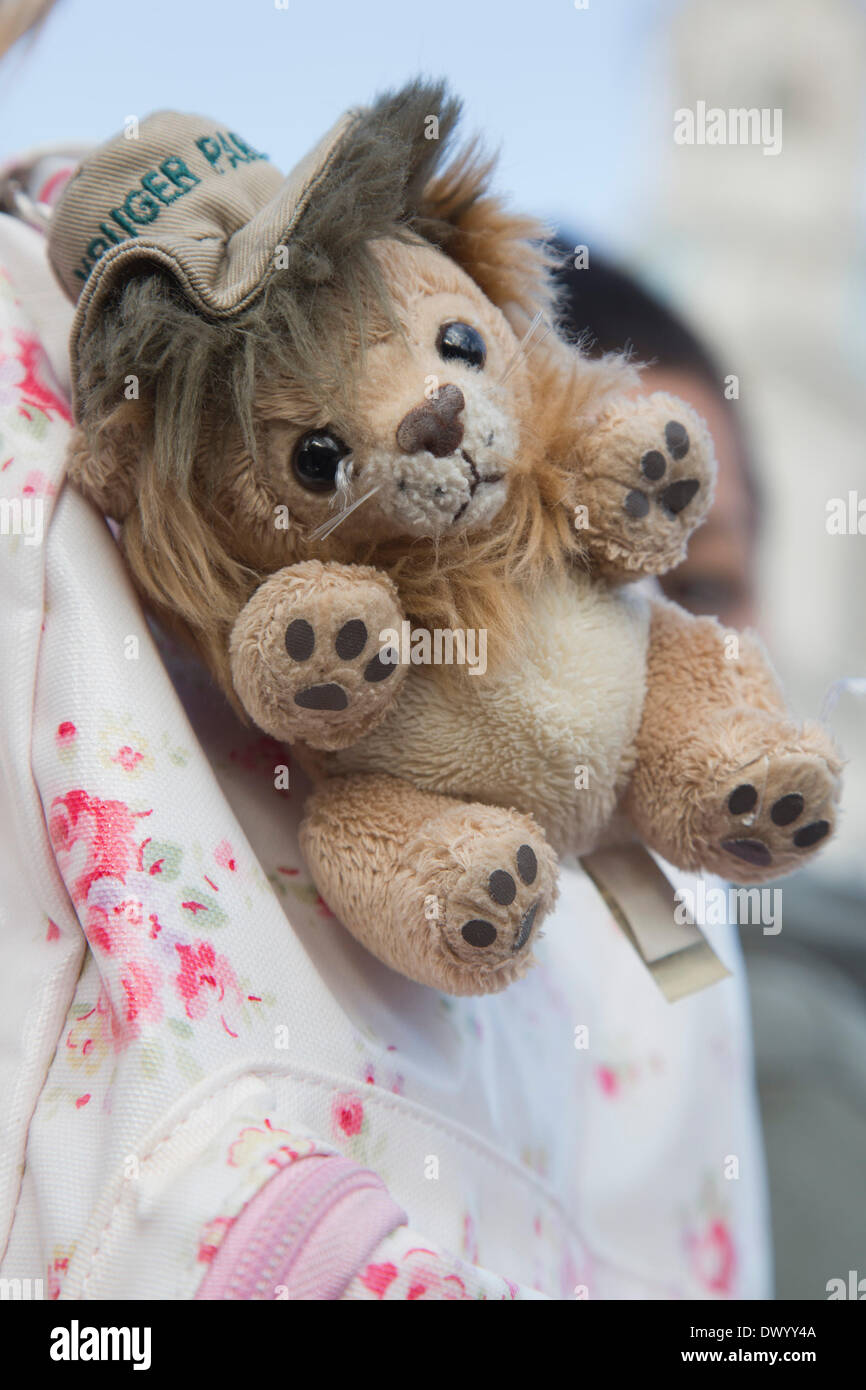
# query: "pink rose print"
255, 1142
225, 856
347, 1113
120, 928
213, 1236
426, 1281
128, 758
92, 839
33, 391
204, 978
94, 1034
37, 485
123, 887
57, 1271
377, 1278
65, 733
140, 980
714, 1258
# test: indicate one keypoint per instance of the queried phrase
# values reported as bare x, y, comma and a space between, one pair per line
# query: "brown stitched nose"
433, 426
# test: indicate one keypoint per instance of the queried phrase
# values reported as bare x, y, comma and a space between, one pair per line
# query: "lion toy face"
434, 432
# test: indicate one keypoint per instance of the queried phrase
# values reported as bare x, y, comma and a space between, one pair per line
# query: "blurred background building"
767, 253
764, 254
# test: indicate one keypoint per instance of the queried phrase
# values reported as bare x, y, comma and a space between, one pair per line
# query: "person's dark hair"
608, 310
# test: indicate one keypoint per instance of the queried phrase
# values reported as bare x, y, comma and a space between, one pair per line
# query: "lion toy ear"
506, 254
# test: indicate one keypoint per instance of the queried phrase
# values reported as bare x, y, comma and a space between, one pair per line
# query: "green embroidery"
225, 144
175, 169
159, 188
140, 206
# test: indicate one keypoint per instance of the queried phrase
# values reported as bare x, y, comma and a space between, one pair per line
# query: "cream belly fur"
519, 736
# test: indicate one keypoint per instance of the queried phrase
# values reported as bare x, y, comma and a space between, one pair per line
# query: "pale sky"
572, 97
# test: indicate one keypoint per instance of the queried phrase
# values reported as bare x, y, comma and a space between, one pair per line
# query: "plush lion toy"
336, 438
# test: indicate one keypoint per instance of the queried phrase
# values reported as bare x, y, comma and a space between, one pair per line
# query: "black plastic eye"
462, 342
316, 458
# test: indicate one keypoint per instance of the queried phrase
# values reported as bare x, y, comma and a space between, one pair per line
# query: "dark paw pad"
742, 799
349, 642
330, 696
787, 809
527, 864
501, 887
653, 465
811, 834
349, 645
300, 640
478, 933
636, 503
677, 439
351, 639
378, 668
674, 497
751, 851
526, 922
677, 496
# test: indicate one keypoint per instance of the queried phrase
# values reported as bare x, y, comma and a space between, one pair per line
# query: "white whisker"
343, 480
524, 348
333, 521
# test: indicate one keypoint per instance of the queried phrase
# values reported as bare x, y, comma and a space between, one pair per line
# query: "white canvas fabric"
179, 1013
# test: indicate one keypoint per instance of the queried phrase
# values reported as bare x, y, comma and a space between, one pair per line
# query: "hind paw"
489, 880
771, 815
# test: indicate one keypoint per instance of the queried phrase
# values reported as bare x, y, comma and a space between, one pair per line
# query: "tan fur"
404, 869
710, 724
266, 677
431, 800
503, 252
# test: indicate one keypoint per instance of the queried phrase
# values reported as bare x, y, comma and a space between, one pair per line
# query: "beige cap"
187, 194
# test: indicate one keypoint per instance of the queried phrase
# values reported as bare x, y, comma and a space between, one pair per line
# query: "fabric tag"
643, 903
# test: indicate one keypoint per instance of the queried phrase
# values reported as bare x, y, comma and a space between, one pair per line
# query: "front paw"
306, 657
648, 477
